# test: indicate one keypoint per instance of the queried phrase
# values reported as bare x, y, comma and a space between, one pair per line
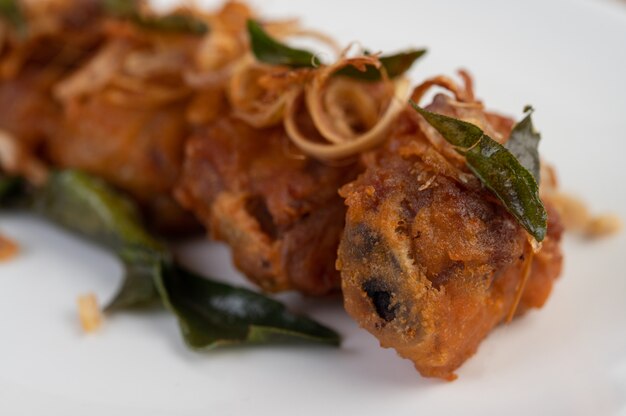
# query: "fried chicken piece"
59, 36
280, 213
430, 261
124, 118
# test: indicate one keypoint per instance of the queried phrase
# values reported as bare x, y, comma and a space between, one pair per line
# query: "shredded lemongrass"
358, 144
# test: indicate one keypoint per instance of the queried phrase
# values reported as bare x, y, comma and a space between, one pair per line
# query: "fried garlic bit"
8, 248
89, 312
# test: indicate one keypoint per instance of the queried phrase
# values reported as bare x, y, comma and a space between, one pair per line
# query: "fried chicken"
124, 118
58, 37
430, 261
280, 213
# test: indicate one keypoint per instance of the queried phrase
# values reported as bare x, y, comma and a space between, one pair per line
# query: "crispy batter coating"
131, 129
137, 149
61, 35
280, 213
429, 261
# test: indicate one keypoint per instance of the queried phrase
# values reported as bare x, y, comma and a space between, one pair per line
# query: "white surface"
567, 58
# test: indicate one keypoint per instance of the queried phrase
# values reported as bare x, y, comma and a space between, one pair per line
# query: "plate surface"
566, 58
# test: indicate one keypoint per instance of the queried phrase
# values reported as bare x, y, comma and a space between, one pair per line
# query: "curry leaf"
87, 206
524, 143
175, 22
268, 50
11, 11
11, 187
497, 168
213, 314
210, 313
395, 65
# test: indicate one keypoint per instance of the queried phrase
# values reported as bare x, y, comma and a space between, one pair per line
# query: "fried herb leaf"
497, 169
395, 65
270, 51
10, 187
11, 11
87, 206
210, 313
174, 23
213, 314
524, 144
267, 49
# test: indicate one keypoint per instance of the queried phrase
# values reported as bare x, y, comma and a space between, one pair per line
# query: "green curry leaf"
89, 207
11, 11
268, 50
395, 65
213, 314
524, 144
210, 313
11, 188
497, 168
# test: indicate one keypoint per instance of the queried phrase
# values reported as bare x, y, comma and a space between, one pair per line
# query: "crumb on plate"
89, 312
8, 248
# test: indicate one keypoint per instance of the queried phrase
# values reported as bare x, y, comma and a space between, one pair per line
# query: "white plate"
567, 58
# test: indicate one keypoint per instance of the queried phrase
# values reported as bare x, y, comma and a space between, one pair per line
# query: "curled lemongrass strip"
359, 143
258, 92
252, 102
463, 94
326, 125
255, 102
16, 160
349, 104
95, 74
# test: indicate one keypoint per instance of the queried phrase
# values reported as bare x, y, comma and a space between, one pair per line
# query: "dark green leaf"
524, 144
395, 65
496, 168
268, 50
87, 206
213, 314
210, 313
174, 23
458, 133
120, 8
10, 186
11, 11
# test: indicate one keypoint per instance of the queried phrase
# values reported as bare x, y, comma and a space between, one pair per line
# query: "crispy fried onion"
16, 160
259, 93
95, 74
130, 74
463, 94
345, 113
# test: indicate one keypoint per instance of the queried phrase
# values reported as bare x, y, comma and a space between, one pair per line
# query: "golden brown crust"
61, 36
279, 212
431, 263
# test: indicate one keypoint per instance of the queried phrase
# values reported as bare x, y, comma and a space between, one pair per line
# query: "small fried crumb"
89, 312
8, 249
603, 225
